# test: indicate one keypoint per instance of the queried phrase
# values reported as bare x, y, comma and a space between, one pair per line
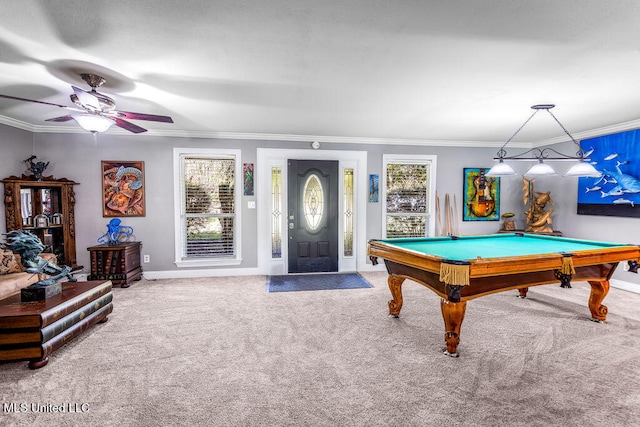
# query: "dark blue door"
313, 215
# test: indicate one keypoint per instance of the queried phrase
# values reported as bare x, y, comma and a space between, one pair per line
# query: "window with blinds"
208, 207
407, 199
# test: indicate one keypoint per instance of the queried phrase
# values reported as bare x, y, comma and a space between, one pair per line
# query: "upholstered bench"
12, 274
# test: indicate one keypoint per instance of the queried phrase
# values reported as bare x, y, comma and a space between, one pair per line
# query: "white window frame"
413, 159
276, 157
179, 211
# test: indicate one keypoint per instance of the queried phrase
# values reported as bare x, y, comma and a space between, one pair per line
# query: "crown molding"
332, 139
606, 130
592, 133
17, 124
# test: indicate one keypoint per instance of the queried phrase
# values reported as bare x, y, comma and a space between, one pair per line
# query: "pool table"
461, 268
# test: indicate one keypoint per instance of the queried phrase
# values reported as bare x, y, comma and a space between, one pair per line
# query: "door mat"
316, 282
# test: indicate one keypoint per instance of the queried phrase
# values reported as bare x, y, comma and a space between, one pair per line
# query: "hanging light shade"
501, 169
581, 168
540, 169
93, 122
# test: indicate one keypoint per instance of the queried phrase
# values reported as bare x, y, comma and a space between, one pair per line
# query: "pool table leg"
599, 290
453, 315
523, 292
395, 286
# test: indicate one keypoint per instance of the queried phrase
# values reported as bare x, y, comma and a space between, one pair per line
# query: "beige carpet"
224, 352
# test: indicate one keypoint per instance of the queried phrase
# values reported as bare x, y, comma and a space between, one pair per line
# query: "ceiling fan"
95, 111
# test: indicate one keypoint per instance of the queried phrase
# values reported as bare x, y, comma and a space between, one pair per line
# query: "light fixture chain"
580, 153
582, 168
515, 133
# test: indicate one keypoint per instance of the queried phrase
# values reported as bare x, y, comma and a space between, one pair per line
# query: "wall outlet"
146, 259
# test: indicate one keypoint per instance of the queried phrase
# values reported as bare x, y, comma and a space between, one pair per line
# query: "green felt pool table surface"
495, 246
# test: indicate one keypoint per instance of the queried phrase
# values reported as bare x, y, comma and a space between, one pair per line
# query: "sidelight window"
348, 208
276, 212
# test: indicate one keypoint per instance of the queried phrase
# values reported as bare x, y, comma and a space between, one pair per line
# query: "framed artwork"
247, 175
617, 191
481, 195
122, 188
373, 188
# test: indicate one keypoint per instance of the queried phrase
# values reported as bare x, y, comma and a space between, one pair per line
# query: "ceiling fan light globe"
93, 123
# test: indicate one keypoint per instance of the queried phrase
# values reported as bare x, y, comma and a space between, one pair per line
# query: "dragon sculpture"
29, 247
36, 168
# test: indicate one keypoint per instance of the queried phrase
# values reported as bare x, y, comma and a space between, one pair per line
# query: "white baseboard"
626, 286
371, 267
181, 274
223, 272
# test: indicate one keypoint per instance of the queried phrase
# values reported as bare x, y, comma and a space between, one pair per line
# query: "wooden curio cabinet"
45, 208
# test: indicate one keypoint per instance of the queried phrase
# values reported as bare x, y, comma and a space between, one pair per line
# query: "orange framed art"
123, 188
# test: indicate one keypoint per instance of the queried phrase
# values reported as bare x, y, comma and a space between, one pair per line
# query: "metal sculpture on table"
116, 233
36, 168
29, 247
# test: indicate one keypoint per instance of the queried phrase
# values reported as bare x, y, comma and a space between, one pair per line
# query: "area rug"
316, 282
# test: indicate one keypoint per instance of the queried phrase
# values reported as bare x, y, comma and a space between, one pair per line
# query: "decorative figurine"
508, 224
537, 217
36, 168
115, 232
29, 247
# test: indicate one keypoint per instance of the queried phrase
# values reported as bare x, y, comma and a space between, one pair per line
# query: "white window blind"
407, 198
208, 207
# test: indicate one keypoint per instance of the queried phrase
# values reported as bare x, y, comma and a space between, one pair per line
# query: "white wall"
77, 157
15, 146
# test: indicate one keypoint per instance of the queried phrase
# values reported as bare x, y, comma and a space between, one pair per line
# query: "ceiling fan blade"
128, 125
87, 99
141, 116
60, 119
38, 102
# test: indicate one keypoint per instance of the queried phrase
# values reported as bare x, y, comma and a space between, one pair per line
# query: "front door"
313, 215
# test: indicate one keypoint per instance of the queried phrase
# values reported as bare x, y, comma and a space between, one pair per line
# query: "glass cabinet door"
26, 206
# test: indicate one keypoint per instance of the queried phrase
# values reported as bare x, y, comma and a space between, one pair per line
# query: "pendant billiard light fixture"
581, 168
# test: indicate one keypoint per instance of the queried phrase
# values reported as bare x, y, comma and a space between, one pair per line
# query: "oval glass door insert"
313, 202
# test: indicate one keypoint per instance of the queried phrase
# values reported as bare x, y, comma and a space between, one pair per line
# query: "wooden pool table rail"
490, 267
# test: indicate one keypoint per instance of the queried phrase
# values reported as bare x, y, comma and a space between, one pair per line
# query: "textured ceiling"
430, 71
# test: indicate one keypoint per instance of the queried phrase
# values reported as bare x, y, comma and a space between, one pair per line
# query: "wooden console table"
33, 330
119, 263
